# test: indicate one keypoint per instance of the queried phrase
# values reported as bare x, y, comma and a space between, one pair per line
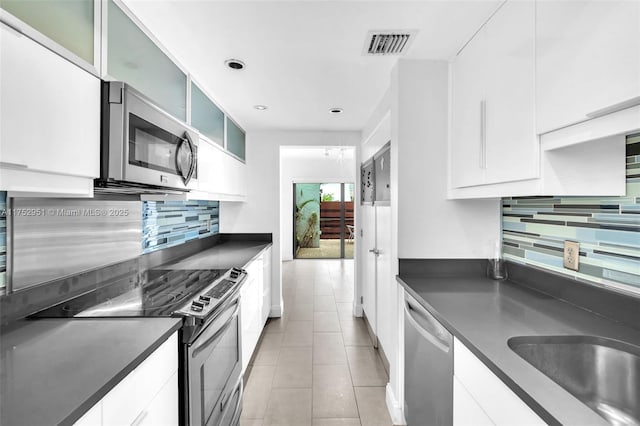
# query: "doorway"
323, 220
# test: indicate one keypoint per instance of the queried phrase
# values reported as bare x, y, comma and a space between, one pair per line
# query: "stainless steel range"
208, 300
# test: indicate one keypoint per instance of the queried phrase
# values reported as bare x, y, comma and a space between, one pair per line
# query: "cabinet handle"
13, 165
140, 418
615, 107
483, 134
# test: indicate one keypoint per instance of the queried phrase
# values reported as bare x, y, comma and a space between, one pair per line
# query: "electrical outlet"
571, 255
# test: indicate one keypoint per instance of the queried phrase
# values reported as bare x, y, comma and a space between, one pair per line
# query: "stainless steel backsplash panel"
55, 238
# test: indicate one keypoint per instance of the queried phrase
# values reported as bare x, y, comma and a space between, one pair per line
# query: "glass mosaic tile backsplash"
170, 223
3, 240
607, 228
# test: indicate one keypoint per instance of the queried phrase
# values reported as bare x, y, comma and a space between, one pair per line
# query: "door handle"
375, 251
615, 107
13, 165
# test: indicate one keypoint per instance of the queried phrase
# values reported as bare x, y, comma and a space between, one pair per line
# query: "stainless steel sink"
603, 373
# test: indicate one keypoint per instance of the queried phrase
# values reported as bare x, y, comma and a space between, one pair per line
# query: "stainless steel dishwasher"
428, 368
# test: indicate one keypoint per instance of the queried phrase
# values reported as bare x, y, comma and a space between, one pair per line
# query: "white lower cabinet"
266, 296
147, 396
482, 392
254, 309
250, 307
92, 417
466, 410
157, 413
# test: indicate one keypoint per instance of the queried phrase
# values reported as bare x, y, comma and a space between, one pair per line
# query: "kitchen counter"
54, 370
484, 314
222, 256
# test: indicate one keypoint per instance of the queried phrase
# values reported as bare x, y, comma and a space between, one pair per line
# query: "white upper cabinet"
220, 175
511, 146
587, 59
50, 121
469, 82
493, 101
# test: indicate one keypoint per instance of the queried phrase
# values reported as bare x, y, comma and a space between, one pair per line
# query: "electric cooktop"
157, 293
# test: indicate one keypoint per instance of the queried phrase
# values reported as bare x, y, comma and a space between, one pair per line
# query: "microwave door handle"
186, 177
194, 158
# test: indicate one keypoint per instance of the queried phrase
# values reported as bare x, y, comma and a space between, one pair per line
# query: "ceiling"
303, 57
340, 153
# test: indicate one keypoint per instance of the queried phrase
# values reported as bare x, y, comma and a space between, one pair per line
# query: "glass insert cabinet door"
206, 116
235, 139
133, 57
70, 23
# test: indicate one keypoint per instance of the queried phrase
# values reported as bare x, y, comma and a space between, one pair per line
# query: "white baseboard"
276, 311
393, 406
357, 310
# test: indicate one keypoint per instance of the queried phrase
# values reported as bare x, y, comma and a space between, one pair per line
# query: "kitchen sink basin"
602, 373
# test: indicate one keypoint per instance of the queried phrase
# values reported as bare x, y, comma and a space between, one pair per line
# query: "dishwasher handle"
428, 327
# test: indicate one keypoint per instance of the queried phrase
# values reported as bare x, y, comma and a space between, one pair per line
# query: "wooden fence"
330, 219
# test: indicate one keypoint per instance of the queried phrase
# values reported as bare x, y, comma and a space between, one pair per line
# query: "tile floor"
316, 365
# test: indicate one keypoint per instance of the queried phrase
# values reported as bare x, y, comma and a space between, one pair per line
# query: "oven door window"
214, 363
153, 148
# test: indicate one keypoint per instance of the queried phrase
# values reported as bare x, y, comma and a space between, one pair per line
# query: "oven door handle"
237, 411
202, 346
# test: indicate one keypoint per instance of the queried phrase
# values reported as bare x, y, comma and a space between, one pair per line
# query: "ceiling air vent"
388, 42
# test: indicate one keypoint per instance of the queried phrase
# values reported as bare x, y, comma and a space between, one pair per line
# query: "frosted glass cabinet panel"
206, 116
136, 59
235, 139
69, 23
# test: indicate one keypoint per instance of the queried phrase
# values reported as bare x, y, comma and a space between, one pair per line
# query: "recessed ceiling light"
335, 110
260, 107
234, 64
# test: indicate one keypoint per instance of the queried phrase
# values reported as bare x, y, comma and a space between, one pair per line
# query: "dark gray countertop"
484, 314
223, 256
54, 370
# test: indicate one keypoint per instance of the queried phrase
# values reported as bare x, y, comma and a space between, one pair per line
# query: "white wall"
300, 165
261, 210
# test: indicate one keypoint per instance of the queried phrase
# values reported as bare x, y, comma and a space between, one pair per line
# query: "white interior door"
369, 264
385, 287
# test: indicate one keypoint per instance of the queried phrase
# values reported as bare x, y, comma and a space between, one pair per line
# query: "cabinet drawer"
93, 417
125, 402
163, 410
466, 410
499, 402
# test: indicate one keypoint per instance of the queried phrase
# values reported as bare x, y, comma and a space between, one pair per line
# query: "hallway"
316, 365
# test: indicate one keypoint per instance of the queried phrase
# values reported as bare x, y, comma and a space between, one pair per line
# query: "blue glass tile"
619, 212
171, 223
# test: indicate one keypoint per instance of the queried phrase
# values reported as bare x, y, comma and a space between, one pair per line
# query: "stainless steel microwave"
143, 148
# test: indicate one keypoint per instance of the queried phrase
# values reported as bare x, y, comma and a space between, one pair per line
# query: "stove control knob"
204, 299
197, 306
237, 270
234, 274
